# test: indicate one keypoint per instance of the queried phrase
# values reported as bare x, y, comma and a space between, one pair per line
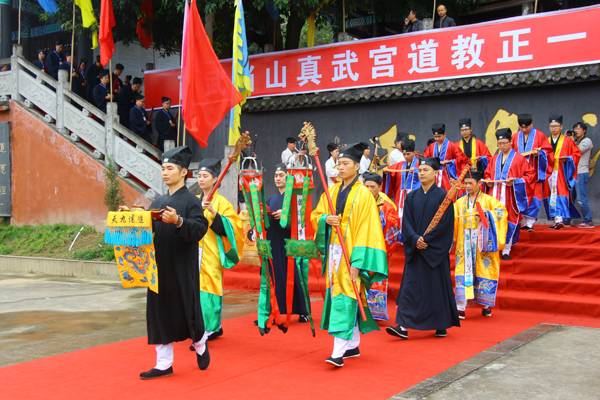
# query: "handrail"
82, 122
137, 140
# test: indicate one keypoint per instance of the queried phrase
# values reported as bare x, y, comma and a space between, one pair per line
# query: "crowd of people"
92, 82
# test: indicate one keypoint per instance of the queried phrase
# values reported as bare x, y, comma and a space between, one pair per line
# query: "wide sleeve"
409, 234
545, 159
368, 245
439, 240
233, 227
523, 182
570, 162
501, 220
194, 225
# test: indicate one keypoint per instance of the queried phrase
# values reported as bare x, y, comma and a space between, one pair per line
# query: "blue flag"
49, 6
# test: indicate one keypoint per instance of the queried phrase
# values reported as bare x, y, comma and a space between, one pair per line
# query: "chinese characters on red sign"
555, 39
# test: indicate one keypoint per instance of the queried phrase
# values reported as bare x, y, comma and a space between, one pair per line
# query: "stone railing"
95, 132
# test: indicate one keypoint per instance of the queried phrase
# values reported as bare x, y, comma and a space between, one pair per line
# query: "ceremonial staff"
309, 135
243, 141
448, 200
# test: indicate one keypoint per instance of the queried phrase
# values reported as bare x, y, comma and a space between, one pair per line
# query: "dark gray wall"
360, 121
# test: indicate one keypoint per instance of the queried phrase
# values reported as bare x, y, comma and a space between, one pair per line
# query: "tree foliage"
270, 24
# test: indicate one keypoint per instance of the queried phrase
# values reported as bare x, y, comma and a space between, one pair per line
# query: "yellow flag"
88, 19
240, 71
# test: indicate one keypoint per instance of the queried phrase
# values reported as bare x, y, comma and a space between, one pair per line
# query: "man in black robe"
100, 94
426, 300
164, 123
138, 122
174, 314
277, 235
55, 60
126, 100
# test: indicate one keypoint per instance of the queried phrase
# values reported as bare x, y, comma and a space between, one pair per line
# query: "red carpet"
245, 365
551, 271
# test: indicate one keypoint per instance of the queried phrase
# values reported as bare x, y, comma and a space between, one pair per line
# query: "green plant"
113, 194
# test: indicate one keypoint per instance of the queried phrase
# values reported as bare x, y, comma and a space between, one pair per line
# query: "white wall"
134, 57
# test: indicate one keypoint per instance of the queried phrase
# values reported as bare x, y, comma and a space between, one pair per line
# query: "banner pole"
433, 14
19, 23
72, 49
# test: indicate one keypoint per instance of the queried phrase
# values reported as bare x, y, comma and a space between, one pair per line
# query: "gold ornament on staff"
308, 134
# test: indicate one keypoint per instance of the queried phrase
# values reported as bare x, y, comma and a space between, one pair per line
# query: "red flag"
207, 91
144, 24
107, 23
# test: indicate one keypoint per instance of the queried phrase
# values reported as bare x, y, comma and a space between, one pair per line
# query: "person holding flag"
355, 213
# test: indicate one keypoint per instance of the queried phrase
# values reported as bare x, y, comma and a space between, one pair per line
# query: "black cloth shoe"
505, 256
461, 315
337, 362
486, 312
441, 333
559, 225
204, 359
216, 334
397, 331
303, 319
156, 373
352, 353
192, 348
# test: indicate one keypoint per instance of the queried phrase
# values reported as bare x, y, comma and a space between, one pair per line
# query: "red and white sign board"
562, 38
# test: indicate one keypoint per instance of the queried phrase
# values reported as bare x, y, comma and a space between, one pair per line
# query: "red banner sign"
530, 42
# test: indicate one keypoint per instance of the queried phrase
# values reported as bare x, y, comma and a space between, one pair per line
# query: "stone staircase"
96, 133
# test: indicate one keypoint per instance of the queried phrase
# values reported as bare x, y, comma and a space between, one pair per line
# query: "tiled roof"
542, 77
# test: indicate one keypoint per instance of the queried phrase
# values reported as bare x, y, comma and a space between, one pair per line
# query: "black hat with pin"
164, 99
555, 119
354, 151
139, 96
400, 136
433, 162
211, 165
464, 123
280, 168
477, 175
503, 133
181, 156
524, 119
438, 129
408, 145
370, 176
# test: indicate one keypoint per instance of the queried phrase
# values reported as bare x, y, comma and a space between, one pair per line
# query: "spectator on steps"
126, 100
117, 82
138, 122
55, 60
583, 173
164, 123
92, 77
41, 61
100, 94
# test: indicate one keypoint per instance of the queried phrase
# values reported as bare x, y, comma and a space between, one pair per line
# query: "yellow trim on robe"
487, 264
211, 270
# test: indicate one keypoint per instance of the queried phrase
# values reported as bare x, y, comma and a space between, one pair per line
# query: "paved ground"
561, 364
42, 316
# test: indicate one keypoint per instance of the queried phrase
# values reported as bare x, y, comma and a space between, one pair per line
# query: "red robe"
448, 152
541, 164
513, 197
564, 174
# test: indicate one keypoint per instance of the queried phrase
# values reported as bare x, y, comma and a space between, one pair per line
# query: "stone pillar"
63, 84
111, 119
5, 28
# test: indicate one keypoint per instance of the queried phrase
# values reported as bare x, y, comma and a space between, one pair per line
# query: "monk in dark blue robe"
426, 300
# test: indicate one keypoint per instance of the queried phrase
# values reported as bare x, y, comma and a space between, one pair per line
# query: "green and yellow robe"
363, 237
477, 247
220, 248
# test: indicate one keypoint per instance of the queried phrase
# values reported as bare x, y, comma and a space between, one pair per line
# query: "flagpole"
110, 90
433, 15
19, 23
72, 49
535, 7
179, 119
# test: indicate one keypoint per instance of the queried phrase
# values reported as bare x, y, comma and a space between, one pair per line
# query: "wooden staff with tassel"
448, 200
309, 135
243, 141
